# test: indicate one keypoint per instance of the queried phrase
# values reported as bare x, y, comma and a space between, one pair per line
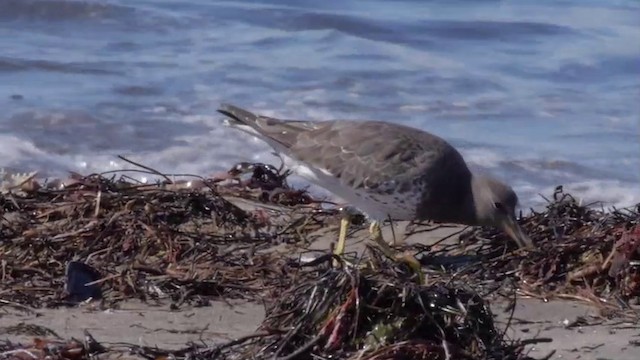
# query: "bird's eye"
498, 206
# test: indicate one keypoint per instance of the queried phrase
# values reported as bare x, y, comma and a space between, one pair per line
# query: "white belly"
376, 207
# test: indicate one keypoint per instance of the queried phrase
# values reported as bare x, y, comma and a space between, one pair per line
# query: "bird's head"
495, 205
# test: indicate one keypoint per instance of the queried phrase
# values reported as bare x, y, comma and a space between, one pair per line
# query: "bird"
386, 171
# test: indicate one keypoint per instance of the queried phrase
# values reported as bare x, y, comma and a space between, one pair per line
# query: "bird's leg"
393, 233
347, 213
342, 238
376, 236
408, 259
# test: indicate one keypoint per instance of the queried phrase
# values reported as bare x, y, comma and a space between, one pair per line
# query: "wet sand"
157, 325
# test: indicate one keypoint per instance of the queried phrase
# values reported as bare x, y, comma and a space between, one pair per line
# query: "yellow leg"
376, 236
344, 226
410, 260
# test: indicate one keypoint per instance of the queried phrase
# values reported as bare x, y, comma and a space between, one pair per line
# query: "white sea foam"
607, 192
482, 157
604, 194
16, 153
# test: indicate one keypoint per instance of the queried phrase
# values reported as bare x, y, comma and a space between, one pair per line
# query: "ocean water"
538, 93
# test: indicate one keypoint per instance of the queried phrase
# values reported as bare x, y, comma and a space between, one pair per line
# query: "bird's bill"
511, 227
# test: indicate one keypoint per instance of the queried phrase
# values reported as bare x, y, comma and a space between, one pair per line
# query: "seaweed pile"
369, 308
174, 240
196, 240
373, 310
582, 253
380, 314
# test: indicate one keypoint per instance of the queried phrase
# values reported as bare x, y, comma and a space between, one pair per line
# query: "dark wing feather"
376, 155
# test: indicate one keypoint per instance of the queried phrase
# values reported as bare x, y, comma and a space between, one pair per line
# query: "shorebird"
386, 171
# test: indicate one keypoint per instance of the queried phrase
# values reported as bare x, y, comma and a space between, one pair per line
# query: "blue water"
539, 93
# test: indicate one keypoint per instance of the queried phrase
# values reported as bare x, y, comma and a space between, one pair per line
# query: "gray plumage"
408, 173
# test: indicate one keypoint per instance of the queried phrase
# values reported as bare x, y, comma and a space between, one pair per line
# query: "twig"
154, 171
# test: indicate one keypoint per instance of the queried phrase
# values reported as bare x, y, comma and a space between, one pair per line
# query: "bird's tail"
248, 122
277, 133
238, 116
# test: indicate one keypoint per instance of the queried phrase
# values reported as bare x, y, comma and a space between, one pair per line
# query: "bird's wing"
378, 156
355, 151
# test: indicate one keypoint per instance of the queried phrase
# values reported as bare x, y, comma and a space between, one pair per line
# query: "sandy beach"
564, 329
145, 325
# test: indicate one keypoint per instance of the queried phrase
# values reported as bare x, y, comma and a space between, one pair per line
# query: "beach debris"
147, 240
42, 349
373, 311
21, 183
378, 312
625, 263
82, 282
188, 245
583, 253
271, 182
150, 241
59, 349
263, 176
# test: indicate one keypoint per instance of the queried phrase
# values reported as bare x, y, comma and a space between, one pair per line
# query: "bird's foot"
388, 251
376, 236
